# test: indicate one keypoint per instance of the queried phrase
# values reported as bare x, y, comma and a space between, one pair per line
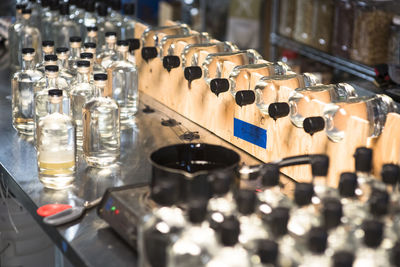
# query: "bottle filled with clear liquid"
47, 49
90, 48
108, 54
62, 62
75, 51
56, 145
126, 27
101, 127
22, 84
13, 32
103, 25
64, 27
49, 18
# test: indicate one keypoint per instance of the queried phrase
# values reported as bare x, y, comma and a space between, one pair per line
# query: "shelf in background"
356, 69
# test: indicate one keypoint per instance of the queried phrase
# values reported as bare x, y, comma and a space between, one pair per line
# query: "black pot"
191, 165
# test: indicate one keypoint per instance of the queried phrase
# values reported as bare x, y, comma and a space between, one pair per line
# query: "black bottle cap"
64, 9
89, 45
20, 6
75, 39
129, 9
303, 193
220, 182
50, 58
246, 201
108, 34
83, 63
92, 29
149, 52
134, 44
55, 92
229, 231
86, 55
363, 159
192, 73
45, 3
116, 5
278, 110
54, 4
197, 209
48, 43
379, 202
100, 77
122, 43
270, 174
348, 184
28, 50
26, 11
60, 50
165, 192
171, 62
267, 250
395, 255
332, 212
390, 174
343, 259
90, 6
319, 165
219, 85
102, 10
317, 239
245, 97
313, 125
373, 233
278, 220
51, 68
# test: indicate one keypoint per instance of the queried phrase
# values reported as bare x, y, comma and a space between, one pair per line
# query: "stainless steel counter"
89, 241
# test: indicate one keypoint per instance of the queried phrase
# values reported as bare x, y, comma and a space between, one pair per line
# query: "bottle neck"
75, 51
27, 65
110, 46
100, 88
122, 55
63, 63
52, 80
83, 75
55, 104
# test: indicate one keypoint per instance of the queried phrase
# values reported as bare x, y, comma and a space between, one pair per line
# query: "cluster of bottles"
73, 97
353, 225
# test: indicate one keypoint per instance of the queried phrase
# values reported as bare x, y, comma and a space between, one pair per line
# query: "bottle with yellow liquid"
56, 145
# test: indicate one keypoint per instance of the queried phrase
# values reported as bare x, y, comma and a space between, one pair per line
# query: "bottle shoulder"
101, 102
56, 121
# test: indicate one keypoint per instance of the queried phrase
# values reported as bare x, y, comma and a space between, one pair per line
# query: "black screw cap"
348, 184
267, 250
48, 43
171, 62
219, 85
129, 9
278, 221
165, 192
278, 110
21, 6
51, 68
55, 92
89, 45
83, 63
50, 58
75, 39
303, 193
28, 50
317, 240
373, 233
332, 212
192, 73
134, 44
246, 201
108, 34
229, 231
64, 9
197, 209
390, 174
313, 125
26, 11
319, 165
343, 259
379, 202
91, 29
86, 55
220, 182
270, 175
100, 77
122, 43
102, 10
245, 97
363, 159
149, 52
60, 50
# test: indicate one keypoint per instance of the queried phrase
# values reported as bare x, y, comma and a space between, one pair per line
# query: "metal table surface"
89, 241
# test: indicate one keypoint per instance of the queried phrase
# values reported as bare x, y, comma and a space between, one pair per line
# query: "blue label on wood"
250, 133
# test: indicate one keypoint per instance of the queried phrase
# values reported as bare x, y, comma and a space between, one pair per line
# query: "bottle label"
250, 133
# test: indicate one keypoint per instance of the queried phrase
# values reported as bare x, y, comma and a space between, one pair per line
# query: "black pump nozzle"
278, 110
319, 165
149, 52
171, 62
245, 97
313, 125
219, 85
134, 44
278, 220
363, 159
192, 73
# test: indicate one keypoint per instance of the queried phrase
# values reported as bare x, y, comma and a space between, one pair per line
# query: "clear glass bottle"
56, 145
316, 243
108, 54
48, 19
115, 15
94, 66
13, 31
287, 16
64, 27
101, 127
28, 36
123, 83
370, 108
249, 75
79, 13
319, 171
35, 16
47, 49
276, 88
23, 93
62, 62
89, 19
213, 65
81, 92
45, 8
160, 228
198, 242
126, 29
103, 26
75, 51
92, 48
310, 101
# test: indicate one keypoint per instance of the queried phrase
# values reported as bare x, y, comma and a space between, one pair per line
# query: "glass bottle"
213, 65
370, 108
79, 13
310, 101
28, 36
287, 15
35, 16
62, 62
123, 83
89, 19
162, 226
47, 49
64, 27
276, 88
94, 66
73, 5
13, 31
92, 37
249, 75
108, 54
319, 171
126, 30
75, 51
103, 26
56, 145
316, 243
101, 127
115, 16
48, 20
45, 9
81, 92
48, 60
198, 243
343, 28
23, 93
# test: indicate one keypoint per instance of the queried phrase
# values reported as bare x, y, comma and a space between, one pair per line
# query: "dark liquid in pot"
195, 166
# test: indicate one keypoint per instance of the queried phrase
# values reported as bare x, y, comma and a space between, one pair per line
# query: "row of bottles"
353, 225
75, 97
